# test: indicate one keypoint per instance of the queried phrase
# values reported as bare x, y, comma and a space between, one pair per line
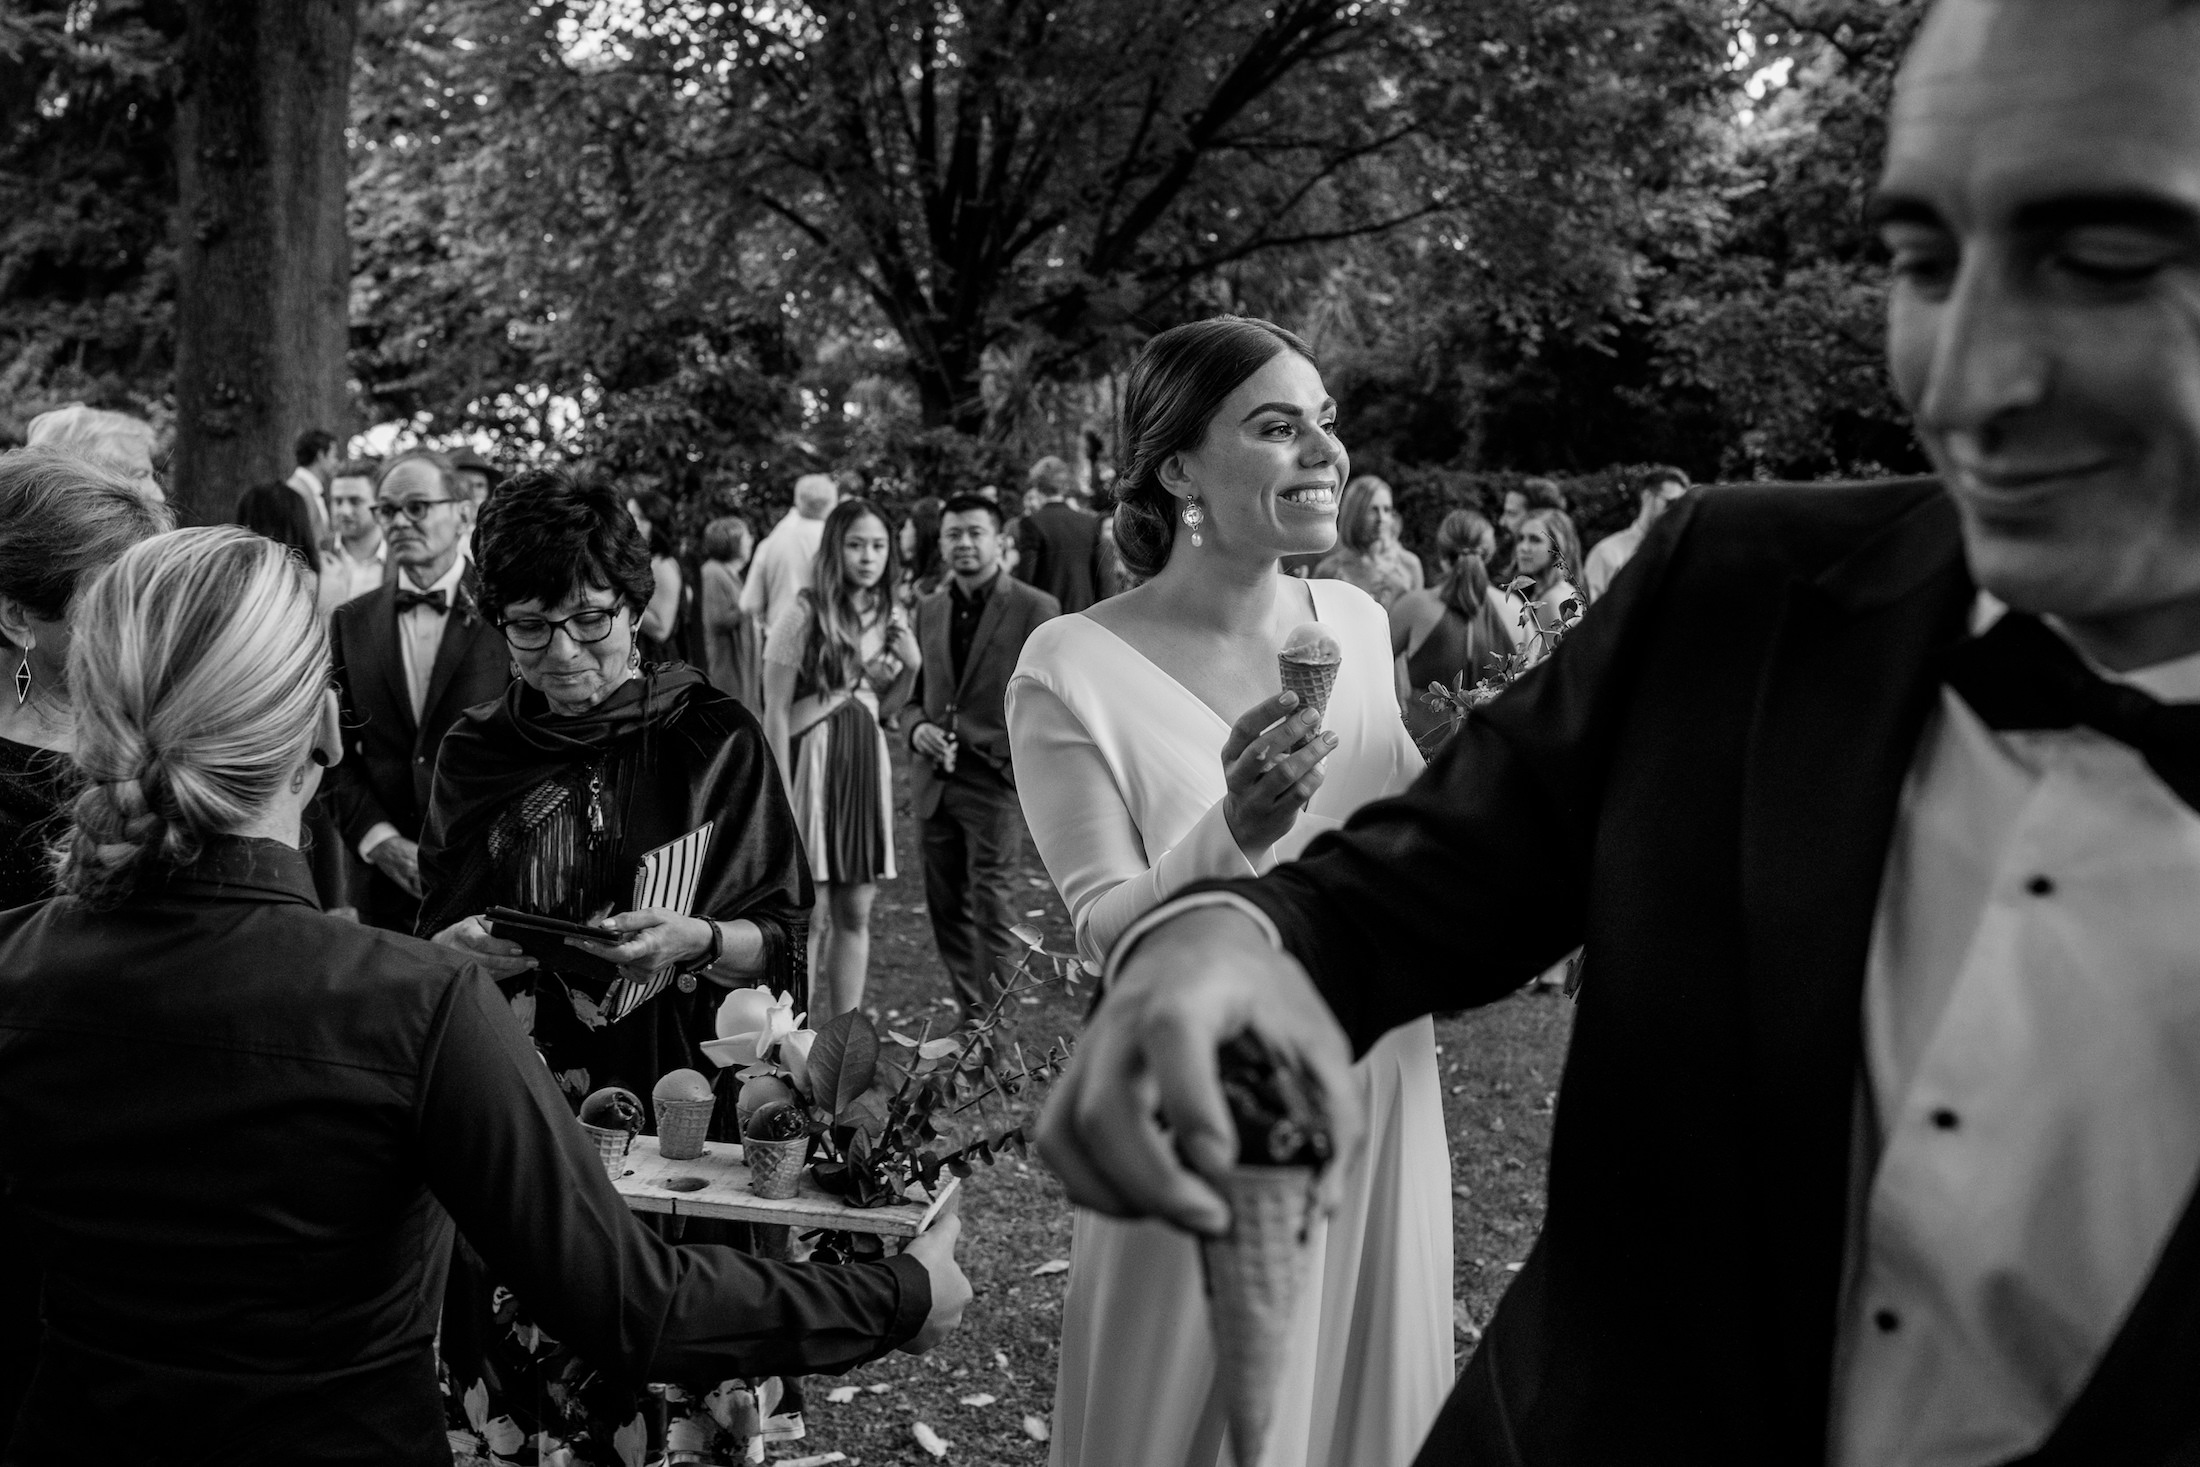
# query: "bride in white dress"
1143, 767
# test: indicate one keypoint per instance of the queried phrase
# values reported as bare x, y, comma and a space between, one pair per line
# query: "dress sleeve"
783, 642
1084, 830
513, 1168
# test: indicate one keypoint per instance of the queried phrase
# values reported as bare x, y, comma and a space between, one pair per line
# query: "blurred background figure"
62, 521
1657, 489
922, 570
1532, 495
662, 619
838, 662
732, 645
1454, 627
116, 442
315, 451
1368, 554
477, 476
359, 558
785, 559
1058, 543
1547, 554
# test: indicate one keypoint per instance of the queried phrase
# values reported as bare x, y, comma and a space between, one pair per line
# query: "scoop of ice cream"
614, 1109
1276, 1104
776, 1120
1312, 642
757, 1093
682, 1085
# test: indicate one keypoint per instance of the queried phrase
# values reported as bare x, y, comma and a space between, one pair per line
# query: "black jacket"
973, 707
389, 764
1058, 551
1701, 786
237, 1133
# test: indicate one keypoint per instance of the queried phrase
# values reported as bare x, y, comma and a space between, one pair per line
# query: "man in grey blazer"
971, 632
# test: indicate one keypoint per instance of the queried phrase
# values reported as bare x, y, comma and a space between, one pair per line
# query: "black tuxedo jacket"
389, 762
1701, 786
1058, 551
974, 707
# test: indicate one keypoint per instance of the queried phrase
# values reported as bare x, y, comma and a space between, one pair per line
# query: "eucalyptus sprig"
1539, 638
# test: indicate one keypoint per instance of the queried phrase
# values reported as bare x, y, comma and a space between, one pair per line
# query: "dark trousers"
970, 845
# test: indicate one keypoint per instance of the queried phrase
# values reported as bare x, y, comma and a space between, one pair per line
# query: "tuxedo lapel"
1839, 712
387, 657
460, 629
989, 622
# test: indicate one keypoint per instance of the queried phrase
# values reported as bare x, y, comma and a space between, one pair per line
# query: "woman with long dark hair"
841, 658
664, 616
1154, 749
1549, 554
922, 570
1451, 629
276, 511
1368, 553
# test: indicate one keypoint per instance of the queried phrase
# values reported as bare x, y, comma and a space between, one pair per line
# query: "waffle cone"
611, 1145
681, 1126
775, 1167
1254, 1278
1310, 680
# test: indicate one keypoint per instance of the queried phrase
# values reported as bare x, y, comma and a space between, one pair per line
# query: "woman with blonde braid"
237, 1132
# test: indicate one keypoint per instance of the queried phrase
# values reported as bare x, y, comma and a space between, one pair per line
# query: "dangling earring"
1194, 517
633, 659
23, 679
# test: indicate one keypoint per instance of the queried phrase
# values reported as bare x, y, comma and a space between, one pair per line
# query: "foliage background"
710, 246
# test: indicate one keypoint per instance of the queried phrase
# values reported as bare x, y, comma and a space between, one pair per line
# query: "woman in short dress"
841, 658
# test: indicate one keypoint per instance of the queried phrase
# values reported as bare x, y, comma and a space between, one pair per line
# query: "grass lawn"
1500, 1067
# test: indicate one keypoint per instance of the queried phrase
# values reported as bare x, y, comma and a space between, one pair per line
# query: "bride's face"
1269, 470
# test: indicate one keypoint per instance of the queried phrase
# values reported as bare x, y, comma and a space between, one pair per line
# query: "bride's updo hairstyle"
1181, 378
198, 667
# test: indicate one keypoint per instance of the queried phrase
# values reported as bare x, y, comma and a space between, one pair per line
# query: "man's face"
476, 485
351, 506
421, 522
1667, 494
1515, 512
970, 543
2042, 203
325, 465
1033, 498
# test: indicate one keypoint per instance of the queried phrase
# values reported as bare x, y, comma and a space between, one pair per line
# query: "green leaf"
843, 1061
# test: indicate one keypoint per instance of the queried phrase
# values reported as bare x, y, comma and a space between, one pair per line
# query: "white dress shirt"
419, 638
2032, 1045
308, 487
356, 575
782, 568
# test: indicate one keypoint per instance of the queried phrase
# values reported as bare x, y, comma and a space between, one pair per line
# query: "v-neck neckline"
1171, 678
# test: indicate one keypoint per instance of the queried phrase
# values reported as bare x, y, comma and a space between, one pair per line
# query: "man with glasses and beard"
409, 658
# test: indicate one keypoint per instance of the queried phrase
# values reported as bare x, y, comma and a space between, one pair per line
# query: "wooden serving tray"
653, 1184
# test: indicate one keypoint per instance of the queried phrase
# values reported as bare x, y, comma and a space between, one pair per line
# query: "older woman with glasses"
583, 795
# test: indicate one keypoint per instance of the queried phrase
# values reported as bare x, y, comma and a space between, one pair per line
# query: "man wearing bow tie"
409, 658
1880, 1128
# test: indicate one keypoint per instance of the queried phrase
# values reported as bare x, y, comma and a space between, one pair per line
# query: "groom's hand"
1139, 1122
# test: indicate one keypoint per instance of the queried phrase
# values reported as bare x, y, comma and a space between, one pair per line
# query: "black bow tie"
2022, 675
433, 600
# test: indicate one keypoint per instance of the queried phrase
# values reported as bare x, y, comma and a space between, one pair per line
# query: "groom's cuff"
1169, 911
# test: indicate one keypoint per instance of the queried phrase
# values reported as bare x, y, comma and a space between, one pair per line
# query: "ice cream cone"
1312, 681
775, 1167
681, 1126
611, 1145
1254, 1278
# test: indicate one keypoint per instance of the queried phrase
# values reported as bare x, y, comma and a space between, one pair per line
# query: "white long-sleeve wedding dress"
1120, 773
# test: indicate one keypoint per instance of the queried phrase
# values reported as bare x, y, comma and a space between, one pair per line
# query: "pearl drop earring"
1194, 517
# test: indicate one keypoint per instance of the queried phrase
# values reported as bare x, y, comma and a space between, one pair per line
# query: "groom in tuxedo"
1878, 1137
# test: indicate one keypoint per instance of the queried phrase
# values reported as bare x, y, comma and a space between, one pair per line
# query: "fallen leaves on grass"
980, 1399
1037, 1429
929, 1439
1052, 1265
842, 1395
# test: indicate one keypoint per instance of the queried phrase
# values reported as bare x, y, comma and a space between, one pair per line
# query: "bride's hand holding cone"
1272, 765
1138, 1126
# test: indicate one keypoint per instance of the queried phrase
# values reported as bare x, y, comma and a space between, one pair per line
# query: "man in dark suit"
1879, 1132
409, 658
971, 632
1058, 544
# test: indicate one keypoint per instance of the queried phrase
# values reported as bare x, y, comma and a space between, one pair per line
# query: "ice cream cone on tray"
1308, 664
1256, 1273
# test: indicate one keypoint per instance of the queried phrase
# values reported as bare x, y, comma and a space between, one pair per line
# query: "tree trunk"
949, 373
263, 273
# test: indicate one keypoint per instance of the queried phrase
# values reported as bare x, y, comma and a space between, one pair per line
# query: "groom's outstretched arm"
1450, 895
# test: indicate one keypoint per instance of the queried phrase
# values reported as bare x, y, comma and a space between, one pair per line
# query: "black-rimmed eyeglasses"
415, 510
533, 633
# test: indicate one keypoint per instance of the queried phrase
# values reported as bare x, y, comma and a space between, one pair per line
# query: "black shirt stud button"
2041, 886
1945, 1119
1886, 1321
